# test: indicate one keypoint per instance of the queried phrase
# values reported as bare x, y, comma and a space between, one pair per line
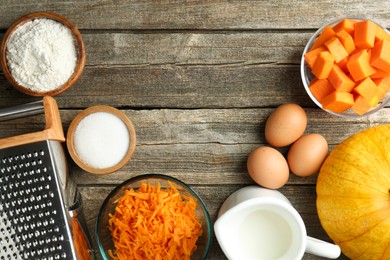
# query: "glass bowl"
78, 41
307, 75
103, 235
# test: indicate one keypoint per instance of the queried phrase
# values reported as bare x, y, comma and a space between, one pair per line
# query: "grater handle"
24, 110
52, 131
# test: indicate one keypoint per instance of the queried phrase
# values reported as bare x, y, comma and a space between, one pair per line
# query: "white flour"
42, 55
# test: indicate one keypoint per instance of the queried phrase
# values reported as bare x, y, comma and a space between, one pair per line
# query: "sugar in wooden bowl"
101, 139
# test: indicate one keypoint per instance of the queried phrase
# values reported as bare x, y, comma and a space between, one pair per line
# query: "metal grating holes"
31, 214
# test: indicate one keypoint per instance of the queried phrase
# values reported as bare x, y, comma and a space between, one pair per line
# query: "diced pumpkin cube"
339, 80
343, 64
365, 34
380, 74
383, 87
360, 106
383, 83
347, 25
380, 55
325, 35
346, 40
380, 93
338, 101
366, 88
357, 50
336, 48
320, 88
323, 65
381, 34
359, 65
311, 56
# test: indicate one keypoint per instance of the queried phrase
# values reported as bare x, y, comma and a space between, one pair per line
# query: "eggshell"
268, 167
307, 154
285, 125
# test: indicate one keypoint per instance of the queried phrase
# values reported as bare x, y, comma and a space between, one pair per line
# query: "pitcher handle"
321, 248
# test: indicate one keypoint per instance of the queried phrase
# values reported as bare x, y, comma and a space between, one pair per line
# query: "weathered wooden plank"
173, 86
204, 14
180, 86
206, 146
175, 70
301, 197
211, 164
200, 145
185, 71
195, 48
209, 126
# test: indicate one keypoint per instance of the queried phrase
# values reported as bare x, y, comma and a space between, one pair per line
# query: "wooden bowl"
81, 59
72, 128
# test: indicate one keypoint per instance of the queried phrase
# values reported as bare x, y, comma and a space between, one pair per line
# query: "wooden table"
198, 79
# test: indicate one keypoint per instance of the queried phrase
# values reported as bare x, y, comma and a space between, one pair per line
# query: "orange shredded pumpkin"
154, 223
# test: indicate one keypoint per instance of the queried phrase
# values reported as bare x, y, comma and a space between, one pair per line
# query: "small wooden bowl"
72, 128
81, 59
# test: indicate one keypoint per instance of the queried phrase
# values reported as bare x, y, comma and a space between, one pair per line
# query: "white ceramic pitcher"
258, 223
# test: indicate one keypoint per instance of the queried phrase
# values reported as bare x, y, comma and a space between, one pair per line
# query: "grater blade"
33, 220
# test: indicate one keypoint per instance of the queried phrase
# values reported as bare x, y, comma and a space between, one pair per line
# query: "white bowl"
307, 75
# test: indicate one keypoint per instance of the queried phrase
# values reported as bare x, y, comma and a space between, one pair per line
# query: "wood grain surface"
204, 14
198, 80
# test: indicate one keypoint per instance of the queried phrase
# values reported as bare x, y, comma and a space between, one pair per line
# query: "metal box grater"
39, 207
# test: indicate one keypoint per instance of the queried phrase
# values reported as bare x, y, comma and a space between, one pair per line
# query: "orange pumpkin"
353, 194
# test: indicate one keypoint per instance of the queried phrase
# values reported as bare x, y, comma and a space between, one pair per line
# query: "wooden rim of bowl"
81, 59
70, 140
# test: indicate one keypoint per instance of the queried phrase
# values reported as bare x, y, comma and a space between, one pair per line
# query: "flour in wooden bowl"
42, 54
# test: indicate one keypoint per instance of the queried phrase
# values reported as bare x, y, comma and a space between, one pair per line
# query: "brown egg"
267, 167
285, 125
307, 154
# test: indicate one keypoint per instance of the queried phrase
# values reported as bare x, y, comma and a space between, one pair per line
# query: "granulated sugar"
101, 140
42, 55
